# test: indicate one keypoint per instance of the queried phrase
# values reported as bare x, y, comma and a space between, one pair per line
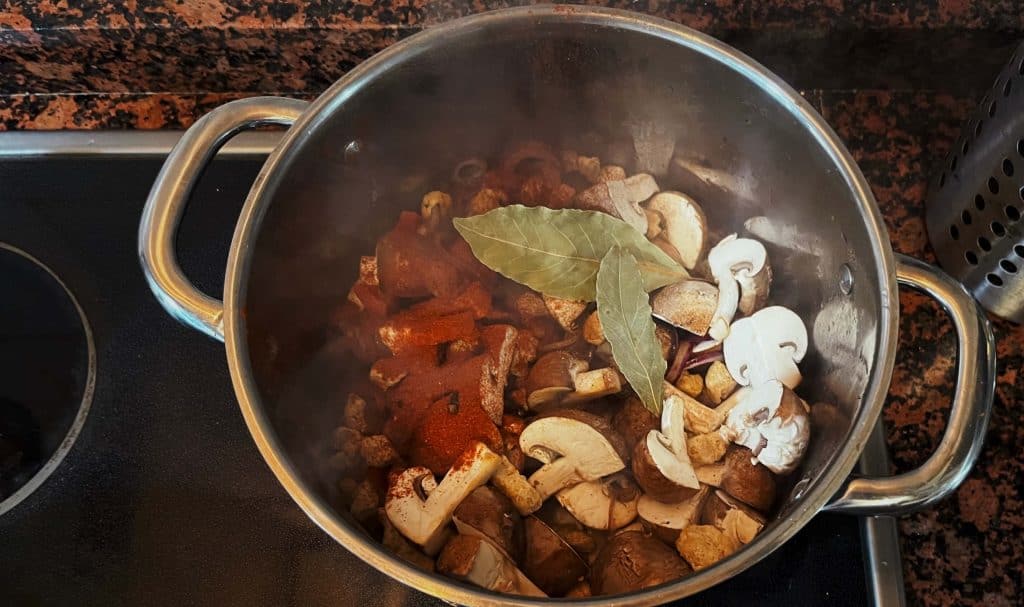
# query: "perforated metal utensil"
975, 203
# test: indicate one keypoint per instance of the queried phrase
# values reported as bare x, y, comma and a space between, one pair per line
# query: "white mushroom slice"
668, 447
479, 562
420, 508
771, 421
607, 504
565, 311
672, 517
684, 225
572, 452
689, 305
766, 346
738, 264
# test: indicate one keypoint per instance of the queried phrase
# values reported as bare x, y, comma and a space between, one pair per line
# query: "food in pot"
575, 387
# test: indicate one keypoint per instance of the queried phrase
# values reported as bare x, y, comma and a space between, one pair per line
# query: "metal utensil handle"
968, 418
171, 192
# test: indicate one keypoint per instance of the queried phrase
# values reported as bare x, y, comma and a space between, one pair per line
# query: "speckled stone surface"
150, 64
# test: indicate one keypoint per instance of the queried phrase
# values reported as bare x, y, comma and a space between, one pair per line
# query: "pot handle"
170, 194
968, 417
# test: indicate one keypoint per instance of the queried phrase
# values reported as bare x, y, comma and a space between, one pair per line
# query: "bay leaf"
558, 252
625, 313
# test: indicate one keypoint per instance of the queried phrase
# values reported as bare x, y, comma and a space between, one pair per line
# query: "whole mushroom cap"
632, 561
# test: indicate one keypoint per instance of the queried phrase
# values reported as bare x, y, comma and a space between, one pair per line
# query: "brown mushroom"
689, 305
667, 520
684, 225
661, 464
549, 561
607, 504
734, 518
552, 377
620, 199
594, 384
475, 560
632, 561
634, 421
740, 475
491, 516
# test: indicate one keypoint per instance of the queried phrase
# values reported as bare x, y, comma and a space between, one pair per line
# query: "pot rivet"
845, 279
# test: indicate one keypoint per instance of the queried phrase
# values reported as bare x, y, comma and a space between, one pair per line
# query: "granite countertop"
895, 80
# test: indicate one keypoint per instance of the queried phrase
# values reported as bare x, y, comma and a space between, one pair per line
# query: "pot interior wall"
742, 153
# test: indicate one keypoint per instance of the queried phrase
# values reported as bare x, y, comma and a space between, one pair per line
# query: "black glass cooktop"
163, 499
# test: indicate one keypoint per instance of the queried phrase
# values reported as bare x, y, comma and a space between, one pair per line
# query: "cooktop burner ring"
55, 456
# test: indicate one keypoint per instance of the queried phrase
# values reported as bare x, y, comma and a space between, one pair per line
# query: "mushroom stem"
554, 476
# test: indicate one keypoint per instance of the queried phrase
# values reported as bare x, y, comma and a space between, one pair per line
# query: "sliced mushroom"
668, 520
606, 504
419, 507
632, 561
684, 225
740, 475
565, 311
551, 378
689, 305
739, 265
574, 447
549, 561
765, 346
488, 514
620, 199
661, 464
516, 488
704, 545
475, 560
772, 421
737, 520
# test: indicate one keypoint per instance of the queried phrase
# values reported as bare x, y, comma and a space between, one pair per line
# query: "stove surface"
163, 499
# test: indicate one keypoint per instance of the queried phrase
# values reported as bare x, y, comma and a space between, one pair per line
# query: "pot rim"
375, 554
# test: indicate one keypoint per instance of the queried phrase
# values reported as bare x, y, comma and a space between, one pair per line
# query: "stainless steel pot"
746, 145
